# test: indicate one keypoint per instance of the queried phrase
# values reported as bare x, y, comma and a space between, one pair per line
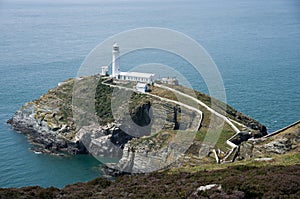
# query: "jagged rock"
279, 146
43, 134
208, 187
245, 151
53, 127
50, 123
64, 128
147, 155
283, 142
204, 150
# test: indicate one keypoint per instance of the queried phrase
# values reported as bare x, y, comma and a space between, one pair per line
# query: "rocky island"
243, 149
49, 123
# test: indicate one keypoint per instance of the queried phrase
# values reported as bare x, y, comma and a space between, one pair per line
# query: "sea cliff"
268, 165
264, 175
50, 126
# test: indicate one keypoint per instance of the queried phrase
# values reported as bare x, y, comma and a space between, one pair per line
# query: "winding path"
202, 104
163, 99
227, 120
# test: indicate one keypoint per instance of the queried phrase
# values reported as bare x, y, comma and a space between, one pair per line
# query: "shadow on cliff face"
141, 116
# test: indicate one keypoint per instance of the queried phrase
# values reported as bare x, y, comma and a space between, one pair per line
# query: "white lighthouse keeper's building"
137, 77
115, 61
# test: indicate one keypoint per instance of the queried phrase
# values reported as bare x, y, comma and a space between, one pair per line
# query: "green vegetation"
224, 135
105, 94
255, 177
138, 99
288, 159
212, 124
56, 108
223, 108
103, 103
65, 94
154, 142
239, 181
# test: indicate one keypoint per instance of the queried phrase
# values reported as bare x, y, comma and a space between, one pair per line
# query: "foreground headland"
273, 171
52, 127
243, 147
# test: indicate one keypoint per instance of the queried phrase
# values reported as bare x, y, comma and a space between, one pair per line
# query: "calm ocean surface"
255, 44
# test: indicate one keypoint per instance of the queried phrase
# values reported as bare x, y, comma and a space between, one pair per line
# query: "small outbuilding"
169, 80
104, 70
142, 87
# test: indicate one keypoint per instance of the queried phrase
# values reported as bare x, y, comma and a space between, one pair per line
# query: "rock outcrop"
155, 153
145, 131
283, 142
45, 130
50, 126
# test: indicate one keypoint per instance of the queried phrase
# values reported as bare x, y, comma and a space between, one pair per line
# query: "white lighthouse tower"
115, 60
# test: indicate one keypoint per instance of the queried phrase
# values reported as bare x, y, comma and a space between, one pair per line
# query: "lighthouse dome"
116, 47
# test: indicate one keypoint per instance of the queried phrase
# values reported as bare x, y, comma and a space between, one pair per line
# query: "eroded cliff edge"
50, 126
277, 176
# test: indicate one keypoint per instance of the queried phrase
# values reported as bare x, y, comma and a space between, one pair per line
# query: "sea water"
255, 44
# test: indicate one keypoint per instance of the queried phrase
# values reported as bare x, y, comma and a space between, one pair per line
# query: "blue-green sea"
255, 44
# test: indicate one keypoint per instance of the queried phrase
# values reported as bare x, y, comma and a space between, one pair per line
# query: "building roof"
137, 74
141, 85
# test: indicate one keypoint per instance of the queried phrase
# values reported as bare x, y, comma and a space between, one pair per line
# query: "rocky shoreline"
43, 138
49, 125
